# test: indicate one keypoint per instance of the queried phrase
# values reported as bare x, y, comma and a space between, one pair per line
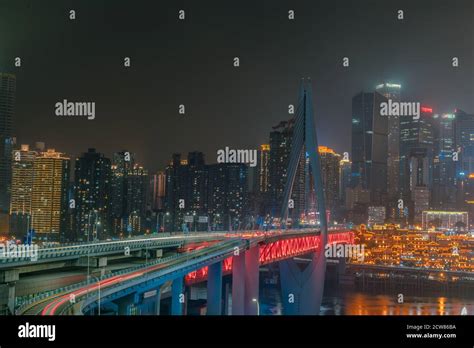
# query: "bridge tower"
302, 290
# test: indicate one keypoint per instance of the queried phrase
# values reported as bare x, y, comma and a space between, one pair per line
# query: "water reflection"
352, 302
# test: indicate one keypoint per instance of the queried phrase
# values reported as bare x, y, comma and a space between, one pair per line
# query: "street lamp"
258, 305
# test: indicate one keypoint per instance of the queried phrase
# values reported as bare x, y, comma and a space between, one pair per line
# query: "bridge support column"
158, 301
124, 304
302, 291
178, 300
252, 279
214, 289
238, 284
8, 279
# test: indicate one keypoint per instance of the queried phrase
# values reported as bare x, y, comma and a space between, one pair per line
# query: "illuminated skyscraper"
369, 145
92, 189
330, 174
392, 91
22, 187
344, 178
157, 190
7, 104
49, 196
263, 168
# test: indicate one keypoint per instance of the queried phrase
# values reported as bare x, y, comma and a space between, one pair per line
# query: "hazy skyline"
190, 62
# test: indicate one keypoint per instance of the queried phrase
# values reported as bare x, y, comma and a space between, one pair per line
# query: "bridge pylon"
302, 290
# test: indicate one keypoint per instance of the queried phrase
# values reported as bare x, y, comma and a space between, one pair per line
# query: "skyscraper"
122, 162
157, 190
7, 105
227, 194
369, 145
330, 174
415, 133
392, 91
49, 196
344, 178
92, 190
22, 187
263, 169
280, 148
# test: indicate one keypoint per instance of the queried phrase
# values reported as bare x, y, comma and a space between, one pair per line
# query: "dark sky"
190, 63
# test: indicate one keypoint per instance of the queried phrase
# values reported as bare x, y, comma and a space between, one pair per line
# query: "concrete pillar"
252, 279
238, 284
214, 289
226, 298
158, 301
8, 279
124, 304
302, 290
178, 300
341, 269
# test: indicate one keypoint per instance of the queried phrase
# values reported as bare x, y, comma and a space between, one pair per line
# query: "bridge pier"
238, 284
302, 290
252, 279
214, 289
245, 282
124, 304
178, 300
8, 279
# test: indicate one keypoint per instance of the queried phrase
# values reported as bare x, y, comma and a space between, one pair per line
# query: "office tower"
136, 190
280, 148
263, 169
122, 162
176, 193
419, 164
444, 169
227, 194
49, 196
392, 91
330, 173
197, 184
344, 178
157, 191
7, 105
415, 133
463, 129
369, 145
21, 188
92, 194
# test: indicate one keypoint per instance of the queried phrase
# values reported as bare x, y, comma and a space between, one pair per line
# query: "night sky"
191, 62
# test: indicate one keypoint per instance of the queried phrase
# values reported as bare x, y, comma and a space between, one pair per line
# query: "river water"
354, 302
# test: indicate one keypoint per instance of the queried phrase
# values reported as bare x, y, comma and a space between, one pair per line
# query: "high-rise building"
157, 190
330, 169
176, 193
280, 148
122, 163
415, 133
227, 194
392, 91
419, 164
136, 184
369, 145
49, 196
263, 169
444, 168
92, 190
7, 105
21, 189
345, 166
